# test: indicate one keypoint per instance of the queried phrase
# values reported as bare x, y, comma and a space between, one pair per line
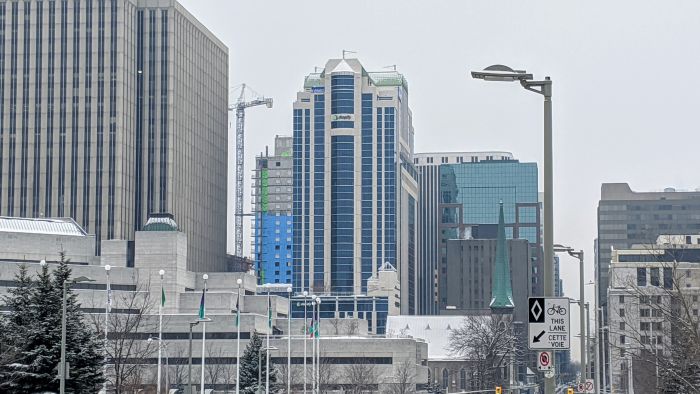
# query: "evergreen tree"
249, 367
36, 322
12, 326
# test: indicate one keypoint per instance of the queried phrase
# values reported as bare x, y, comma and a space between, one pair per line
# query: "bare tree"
352, 328
214, 370
656, 333
360, 377
404, 379
488, 343
126, 347
336, 324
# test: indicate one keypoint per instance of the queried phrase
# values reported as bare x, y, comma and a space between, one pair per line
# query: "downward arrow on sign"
538, 336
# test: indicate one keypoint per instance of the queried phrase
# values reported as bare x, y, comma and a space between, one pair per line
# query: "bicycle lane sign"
548, 323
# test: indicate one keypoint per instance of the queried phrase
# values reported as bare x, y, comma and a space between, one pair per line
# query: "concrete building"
470, 265
104, 108
272, 206
428, 166
469, 198
345, 339
653, 298
355, 187
626, 218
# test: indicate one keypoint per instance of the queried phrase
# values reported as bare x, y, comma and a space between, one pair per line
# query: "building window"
622, 326
654, 276
622, 339
445, 378
622, 299
641, 276
622, 312
644, 312
668, 278
644, 326
463, 379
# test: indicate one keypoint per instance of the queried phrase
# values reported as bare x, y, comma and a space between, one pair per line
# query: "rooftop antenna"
316, 68
347, 51
393, 67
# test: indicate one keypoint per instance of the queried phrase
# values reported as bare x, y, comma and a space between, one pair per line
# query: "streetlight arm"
540, 87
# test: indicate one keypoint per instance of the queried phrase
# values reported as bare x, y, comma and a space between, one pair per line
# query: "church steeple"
501, 287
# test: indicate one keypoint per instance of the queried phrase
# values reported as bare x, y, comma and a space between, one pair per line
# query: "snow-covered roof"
435, 330
54, 226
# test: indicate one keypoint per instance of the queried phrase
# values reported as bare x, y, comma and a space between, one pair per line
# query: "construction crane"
240, 107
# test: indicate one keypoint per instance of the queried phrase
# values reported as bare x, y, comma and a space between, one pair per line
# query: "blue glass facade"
273, 251
469, 202
342, 213
367, 175
319, 186
301, 279
342, 99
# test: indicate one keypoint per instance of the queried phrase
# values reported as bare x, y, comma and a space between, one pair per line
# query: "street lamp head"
289, 289
205, 276
499, 72
305, 293
108, 268
313, 297
239, 281
42, 263
318, 300
161, 273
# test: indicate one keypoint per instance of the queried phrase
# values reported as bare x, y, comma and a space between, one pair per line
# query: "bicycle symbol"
558, 309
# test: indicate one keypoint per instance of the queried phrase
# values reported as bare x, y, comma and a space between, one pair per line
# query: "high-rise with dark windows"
355, 187
111, 110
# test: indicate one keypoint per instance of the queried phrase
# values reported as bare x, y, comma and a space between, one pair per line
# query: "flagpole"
318, 346
267, 353
313, 344
107, 309
238, 336
289, 341
202, 315
160, 327
306, 329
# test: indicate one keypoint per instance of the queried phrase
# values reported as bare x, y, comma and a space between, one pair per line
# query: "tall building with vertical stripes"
111, 110
355, 189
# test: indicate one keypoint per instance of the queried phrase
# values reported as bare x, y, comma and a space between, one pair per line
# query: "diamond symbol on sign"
536, 310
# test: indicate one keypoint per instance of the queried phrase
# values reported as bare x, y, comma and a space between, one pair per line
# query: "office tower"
355, 187
428, 165
627, 218
469, 197
110, 111
272, 207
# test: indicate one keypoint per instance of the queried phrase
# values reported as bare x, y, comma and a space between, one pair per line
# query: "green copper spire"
501, 288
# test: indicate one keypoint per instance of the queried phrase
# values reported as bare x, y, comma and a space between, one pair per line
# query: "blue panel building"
273, 221
355, 188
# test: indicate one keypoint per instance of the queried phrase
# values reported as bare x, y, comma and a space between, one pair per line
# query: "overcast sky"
626, 93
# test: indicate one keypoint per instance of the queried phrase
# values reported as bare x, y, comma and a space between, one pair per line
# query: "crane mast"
240, 107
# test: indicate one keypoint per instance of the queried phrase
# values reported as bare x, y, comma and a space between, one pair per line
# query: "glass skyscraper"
468, 206
355, 188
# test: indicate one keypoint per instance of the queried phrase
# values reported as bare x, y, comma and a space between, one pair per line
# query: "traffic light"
498, 390
569, 391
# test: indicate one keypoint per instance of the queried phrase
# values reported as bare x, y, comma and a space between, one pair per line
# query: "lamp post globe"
239, 281
42, 263
205, 276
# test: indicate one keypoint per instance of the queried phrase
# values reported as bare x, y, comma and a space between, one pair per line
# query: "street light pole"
289, 340
581, 304
189, 368
544, 87
305, 293
108, 307
62, 370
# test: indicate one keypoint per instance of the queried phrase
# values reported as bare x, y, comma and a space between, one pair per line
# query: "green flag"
238, 309
201, 307
269, 311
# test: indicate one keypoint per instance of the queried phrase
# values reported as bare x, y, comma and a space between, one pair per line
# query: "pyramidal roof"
501, 287
342, 67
